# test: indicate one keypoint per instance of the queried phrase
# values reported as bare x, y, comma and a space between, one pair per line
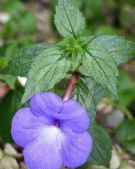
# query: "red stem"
71, 86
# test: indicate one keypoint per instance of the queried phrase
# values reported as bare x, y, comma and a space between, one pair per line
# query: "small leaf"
85, 97
126, 88
8, 106
130, 146
6, 52
68, 19
3, 62
126, 135
102, 147
47, 70
10, 80
125, 131
3, 50
99, 65
11, 50
21, 62
121, 49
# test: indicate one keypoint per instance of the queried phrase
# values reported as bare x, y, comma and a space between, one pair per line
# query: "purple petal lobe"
76, 117
25, 126
76, 149
45, 152
45, 104
70, 113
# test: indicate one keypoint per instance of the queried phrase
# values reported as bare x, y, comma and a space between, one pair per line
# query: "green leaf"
102, 147
11, 50
126, 135
125, 131
88, 93
29, 20
68, 19
8, 106
3, 62
21, 62
76, 60
10, 80
84, 96
85, 166
121, 49
47, 70
125, 81
6, 52
130, 146
126, 88
96, 90
99, 65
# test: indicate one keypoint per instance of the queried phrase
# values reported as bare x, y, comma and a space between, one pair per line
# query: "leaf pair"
95, 59
48, 64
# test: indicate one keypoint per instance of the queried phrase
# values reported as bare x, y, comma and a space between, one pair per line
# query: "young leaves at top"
95, 58
47, 70
68, 19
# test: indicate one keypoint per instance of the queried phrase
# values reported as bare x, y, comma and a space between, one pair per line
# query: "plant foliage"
95, 59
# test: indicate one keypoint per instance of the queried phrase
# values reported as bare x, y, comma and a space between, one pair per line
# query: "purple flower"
52, 132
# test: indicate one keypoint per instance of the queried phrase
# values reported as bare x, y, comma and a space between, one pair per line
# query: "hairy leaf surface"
47, 70
68, 19
102, 147
21, 62
99, 65
121, 49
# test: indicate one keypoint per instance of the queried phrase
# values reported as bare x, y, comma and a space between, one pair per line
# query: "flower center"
57, 124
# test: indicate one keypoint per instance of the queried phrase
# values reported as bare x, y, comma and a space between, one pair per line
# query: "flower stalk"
71, 86
70, 89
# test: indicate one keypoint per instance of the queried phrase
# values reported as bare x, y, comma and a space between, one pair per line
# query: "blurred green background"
23, 22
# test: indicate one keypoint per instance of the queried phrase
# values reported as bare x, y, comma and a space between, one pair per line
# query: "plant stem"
71, 86
69, 91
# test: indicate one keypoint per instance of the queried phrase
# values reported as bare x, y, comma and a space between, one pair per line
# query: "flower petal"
25, 126
45, 104
78, 119
45, 153
76, 149
70, 113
